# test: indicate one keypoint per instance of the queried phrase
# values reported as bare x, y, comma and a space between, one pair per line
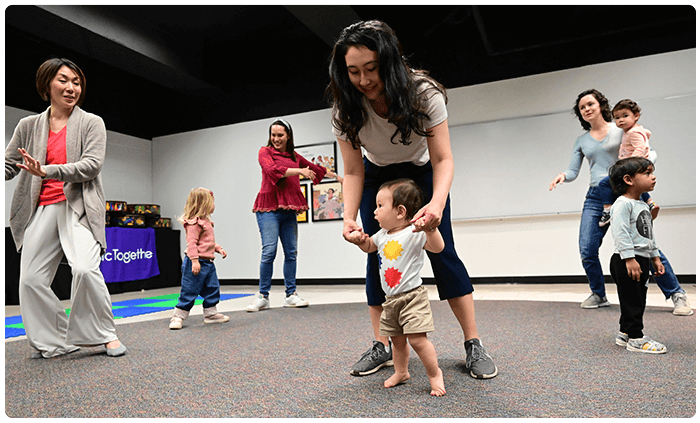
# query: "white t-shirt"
400, 259
376, 133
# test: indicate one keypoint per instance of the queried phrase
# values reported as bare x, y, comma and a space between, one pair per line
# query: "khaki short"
407, 313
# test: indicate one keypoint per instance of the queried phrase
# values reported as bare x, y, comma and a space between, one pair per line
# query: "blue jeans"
590, 238
276, 224
206, 284
451, 276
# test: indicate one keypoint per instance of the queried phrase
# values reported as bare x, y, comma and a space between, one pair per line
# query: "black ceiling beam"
325, 21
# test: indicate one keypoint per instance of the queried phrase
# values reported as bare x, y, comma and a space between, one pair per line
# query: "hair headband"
284, 123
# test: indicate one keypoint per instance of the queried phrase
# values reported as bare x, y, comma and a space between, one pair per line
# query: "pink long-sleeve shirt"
278, 191
199, 233
635, 143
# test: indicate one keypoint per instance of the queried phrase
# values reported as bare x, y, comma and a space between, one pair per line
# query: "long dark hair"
602, 101
401, 84
290, 136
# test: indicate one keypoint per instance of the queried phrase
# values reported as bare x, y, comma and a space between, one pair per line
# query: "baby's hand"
356, 237
420, 225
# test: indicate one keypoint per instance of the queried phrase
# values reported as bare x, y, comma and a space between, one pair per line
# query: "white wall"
224, 159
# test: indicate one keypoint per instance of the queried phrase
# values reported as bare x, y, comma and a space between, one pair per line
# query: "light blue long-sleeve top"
600, 154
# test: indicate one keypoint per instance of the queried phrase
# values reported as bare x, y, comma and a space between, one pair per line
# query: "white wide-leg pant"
53, 231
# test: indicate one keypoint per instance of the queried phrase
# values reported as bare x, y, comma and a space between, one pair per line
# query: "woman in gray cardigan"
58, 208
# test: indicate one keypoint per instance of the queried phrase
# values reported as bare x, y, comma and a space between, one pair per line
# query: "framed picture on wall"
322, 154
304, 217
327, 201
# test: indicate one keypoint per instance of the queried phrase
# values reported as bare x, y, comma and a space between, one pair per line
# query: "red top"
278, 192
52, 189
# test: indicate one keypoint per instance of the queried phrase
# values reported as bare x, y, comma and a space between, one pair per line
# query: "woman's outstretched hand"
427, 218
31, 165
353, 233
558, 180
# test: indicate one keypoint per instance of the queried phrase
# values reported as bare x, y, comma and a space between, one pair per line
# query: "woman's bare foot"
437, 385
396, 379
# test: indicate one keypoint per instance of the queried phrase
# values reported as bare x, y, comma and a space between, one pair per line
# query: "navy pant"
206, 284
450, 274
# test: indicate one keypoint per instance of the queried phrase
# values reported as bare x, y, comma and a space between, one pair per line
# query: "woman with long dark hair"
391, 122
276, 208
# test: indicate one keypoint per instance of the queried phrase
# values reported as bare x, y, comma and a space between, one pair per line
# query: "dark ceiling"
160, 70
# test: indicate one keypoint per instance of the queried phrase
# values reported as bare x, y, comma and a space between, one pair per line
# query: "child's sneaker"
216, 318
175, 323
179, 315
646, 345
605, 218
294, 301
260, 303
621, 339
681, 307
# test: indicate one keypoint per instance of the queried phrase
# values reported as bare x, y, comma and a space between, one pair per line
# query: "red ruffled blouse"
276, 191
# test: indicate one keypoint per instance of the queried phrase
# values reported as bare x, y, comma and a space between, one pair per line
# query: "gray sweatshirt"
632, 229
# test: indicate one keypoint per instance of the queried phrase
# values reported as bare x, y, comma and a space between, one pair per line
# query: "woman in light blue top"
600, 144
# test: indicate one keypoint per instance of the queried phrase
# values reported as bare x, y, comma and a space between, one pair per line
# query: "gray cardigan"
86, 141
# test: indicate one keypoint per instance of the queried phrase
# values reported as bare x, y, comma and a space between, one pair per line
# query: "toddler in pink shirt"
198, 271
635, 143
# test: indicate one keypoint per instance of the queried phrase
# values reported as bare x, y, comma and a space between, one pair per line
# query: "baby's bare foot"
437, 385
396, 379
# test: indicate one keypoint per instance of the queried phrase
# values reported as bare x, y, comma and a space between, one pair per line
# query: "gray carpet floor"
554, 360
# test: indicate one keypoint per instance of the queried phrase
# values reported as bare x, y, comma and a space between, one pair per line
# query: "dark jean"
205, 283
278, 224
590, 239
450, 274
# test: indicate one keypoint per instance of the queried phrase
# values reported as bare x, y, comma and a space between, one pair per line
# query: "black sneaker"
604, 219
479, 363
372, 360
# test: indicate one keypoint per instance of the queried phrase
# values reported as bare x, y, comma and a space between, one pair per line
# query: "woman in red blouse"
276, 208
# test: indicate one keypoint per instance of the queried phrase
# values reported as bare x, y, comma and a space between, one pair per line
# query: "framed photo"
327, 201
304, 217
323, 154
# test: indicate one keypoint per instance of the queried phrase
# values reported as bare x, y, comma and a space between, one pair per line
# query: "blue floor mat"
121, 309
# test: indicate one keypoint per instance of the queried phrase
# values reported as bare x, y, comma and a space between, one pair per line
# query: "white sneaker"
176, 323
294, 301
260, 303
681, 306
216, 318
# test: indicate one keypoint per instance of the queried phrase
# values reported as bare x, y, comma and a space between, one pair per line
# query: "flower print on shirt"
401, 258
392, 277
392, 251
